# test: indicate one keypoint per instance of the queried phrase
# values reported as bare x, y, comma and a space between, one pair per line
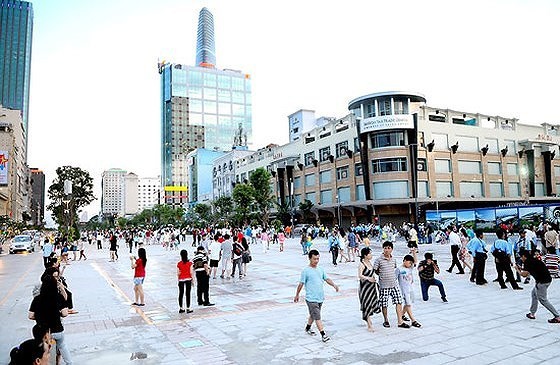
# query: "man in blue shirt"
312, 278
334, 245
476, 247
502, 252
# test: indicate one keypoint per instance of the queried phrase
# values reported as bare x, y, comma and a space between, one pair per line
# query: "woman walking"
369, 302
139, 266
185, 277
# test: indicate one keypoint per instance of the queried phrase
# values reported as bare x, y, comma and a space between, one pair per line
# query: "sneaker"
208, 304
405, 318
526, 281
310, 332
530, 315
326, 338
189, 311
386, 324
444, 300
181, 311
448, 270
404, 325
416, 324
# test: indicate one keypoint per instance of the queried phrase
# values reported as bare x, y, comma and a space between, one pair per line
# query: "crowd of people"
383, 281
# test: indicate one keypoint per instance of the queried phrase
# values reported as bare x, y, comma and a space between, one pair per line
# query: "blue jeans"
425, 285
61, 347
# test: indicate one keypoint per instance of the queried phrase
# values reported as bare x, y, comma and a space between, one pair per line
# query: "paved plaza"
256, 322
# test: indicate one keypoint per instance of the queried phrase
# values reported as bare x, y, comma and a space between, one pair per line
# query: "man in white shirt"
455, 242
531, 236
215, 248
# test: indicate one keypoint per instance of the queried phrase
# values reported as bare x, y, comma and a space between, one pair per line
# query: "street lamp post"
67, 201
338, 211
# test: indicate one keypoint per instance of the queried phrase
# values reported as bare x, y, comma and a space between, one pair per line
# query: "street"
255, 320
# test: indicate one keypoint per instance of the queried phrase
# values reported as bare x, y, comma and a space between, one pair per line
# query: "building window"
325, 176
557, 171
297, 199
492, 144
511, 145
391, 190
310, 180
423, 190
311, 197
344, 195
514, 191
389, 165
297, 182
468, 144
421, 165
326, 197
441, 142
360, 192
471, 189
384, 107
308, 158
387, 139
401, 107
512, 169
341, 149
442, 166
359, 170
324, 153
469, 167
342, 173
444, 189
539, 189
496, 190
494, 168
370, 110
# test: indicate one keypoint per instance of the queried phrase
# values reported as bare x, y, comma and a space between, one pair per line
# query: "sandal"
554, 320
530, 315
403, 325
416, 324
386, 324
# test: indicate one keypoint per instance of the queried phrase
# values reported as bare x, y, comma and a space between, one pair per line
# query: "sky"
95, 93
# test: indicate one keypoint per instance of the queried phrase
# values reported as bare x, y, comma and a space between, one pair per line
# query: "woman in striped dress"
369, 303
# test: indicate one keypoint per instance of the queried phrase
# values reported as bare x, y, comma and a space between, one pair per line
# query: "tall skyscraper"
205, 47
112, 192
16, 30
201, 107
37, 196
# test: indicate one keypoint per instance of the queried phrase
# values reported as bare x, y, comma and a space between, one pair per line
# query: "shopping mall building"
393, 156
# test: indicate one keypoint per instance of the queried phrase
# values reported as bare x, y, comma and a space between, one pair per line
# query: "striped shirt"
385, 268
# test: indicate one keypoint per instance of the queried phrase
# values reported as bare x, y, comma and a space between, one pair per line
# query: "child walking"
406, 279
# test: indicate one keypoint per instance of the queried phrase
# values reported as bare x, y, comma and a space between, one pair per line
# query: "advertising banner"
3, 167
400, 121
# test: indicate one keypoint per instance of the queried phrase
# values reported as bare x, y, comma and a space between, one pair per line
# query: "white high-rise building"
304, 121
112, 195
149, 192
130, 193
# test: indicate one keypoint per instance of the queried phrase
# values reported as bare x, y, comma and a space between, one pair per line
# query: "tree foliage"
260, 180
243, 196
305, 207
82, 195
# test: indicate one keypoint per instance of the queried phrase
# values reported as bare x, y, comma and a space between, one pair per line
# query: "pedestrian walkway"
256, 322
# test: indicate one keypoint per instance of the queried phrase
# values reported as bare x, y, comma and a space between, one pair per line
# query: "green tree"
244, 197
66, 214
204, 213
260, 180
305, 207
223, 209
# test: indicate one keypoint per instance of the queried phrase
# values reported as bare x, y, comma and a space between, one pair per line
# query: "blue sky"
95, 87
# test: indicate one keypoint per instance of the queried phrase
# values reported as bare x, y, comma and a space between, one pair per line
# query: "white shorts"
408, 297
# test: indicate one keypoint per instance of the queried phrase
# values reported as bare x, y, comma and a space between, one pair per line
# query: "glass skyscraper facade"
16, 31
205, 48
201, 107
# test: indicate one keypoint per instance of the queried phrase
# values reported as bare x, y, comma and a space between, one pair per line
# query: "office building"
199, 175
130, 194
394, 158
14, 172
303, 121
112, 192
37, 196
16, 31
224, 171
149, 192
201, 107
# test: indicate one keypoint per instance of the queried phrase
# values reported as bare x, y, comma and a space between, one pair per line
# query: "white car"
22, 242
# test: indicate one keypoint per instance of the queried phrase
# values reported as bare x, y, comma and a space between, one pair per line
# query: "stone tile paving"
255, 322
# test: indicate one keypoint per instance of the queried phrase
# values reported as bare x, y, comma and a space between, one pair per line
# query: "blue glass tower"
205, 47
16, 30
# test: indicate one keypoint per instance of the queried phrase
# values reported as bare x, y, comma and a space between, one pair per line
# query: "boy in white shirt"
406, 278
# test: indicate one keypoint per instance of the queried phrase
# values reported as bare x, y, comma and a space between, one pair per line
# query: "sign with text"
401, 121
4, 167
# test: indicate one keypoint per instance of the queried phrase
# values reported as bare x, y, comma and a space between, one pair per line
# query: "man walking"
47, 251
385, 266
312, 278
476, 248
537, 269
455, 242
502, 252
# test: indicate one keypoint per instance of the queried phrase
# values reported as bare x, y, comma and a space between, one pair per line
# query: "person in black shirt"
537, 269
48, 307
202, 272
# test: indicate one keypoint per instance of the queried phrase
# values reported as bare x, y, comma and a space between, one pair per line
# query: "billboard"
4, 157
400, 121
